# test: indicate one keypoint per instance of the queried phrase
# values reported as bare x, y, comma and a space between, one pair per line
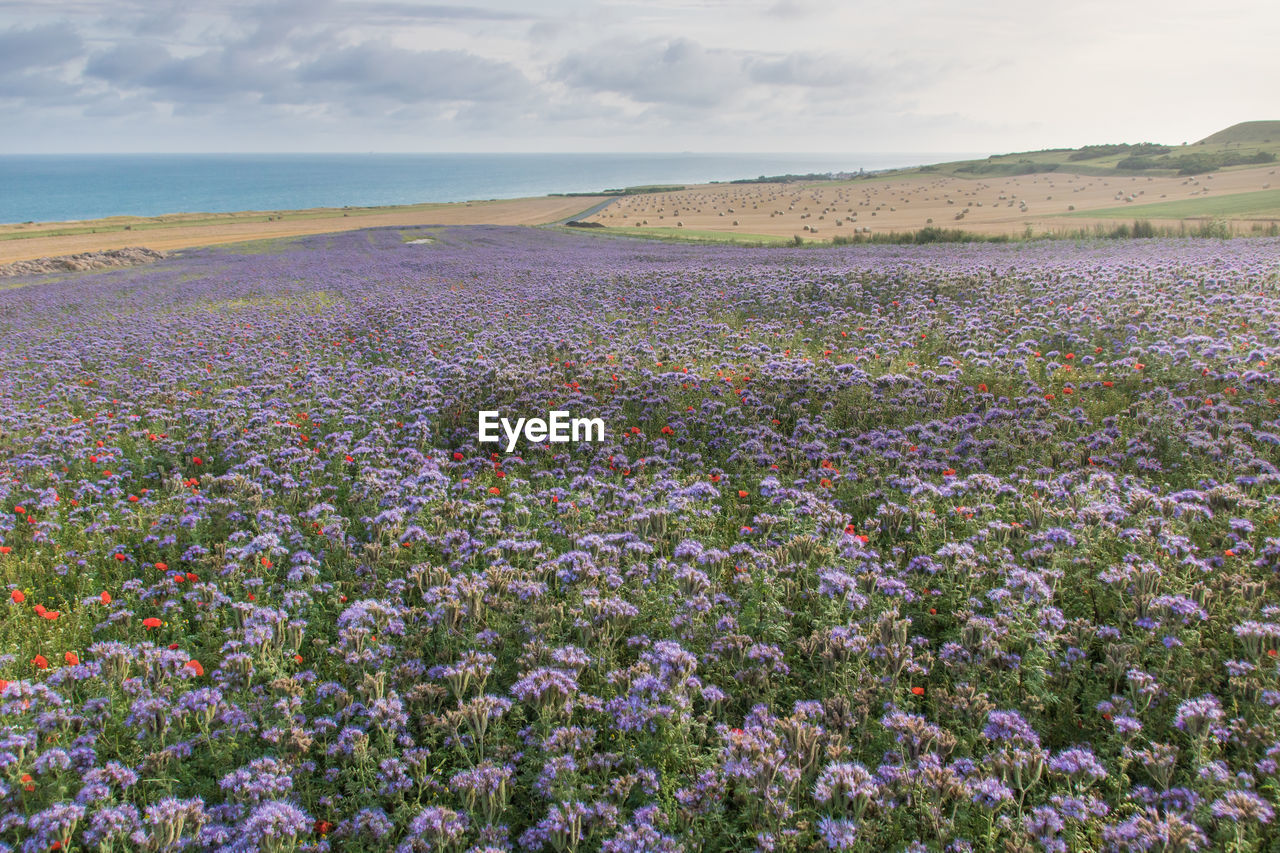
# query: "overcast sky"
616, 75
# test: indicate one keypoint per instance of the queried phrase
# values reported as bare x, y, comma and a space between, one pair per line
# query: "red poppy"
151, 622
19, 510
72, 659
5, 549
457, 457
950, 472
18, 596
196, 460
163, 567
494, 490
193, 577
917, 691
4, 685
982, 387
297, 658
120, 557
194, 666
51, 615
323, 827
349, 458
105, 598
28, 784
742, 493
40, 662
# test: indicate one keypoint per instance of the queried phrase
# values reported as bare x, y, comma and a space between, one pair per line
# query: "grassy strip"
1262, 203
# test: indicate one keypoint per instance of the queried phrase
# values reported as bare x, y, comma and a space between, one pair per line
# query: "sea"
62, 187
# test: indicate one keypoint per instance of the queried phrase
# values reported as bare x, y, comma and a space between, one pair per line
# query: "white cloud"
627, 74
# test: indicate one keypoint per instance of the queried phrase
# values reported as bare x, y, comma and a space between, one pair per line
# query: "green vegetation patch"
1261, 204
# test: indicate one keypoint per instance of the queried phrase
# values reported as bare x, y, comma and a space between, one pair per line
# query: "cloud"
379, 70
45, 46
808, 70
678, 72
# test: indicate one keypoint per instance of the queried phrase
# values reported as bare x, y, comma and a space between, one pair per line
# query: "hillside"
1245, 132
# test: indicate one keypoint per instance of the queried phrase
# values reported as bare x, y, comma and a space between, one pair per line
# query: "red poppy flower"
917, 691
950, 472
196, 460
105, 598
193, 577
72, 659
194, 666
5, 549
151, 622
18, 596
163, 567
51, 615
742, 493
19, 510
40, 662
494, 490
457, 457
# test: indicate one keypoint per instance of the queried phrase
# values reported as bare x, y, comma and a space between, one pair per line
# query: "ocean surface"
59, 187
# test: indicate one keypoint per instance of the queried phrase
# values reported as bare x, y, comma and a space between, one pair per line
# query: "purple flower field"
950, 547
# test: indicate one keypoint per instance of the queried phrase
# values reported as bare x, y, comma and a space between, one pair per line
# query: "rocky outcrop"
130, 256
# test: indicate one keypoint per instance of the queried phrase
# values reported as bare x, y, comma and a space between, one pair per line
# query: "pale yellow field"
1005, 205
180, 231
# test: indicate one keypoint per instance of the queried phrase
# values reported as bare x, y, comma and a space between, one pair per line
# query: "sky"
98, 76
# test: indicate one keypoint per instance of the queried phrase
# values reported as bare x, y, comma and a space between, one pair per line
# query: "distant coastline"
65, 188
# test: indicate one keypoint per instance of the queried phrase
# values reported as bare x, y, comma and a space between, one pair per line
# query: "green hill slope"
1246, 131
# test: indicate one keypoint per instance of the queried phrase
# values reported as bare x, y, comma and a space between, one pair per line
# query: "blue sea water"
57, 187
